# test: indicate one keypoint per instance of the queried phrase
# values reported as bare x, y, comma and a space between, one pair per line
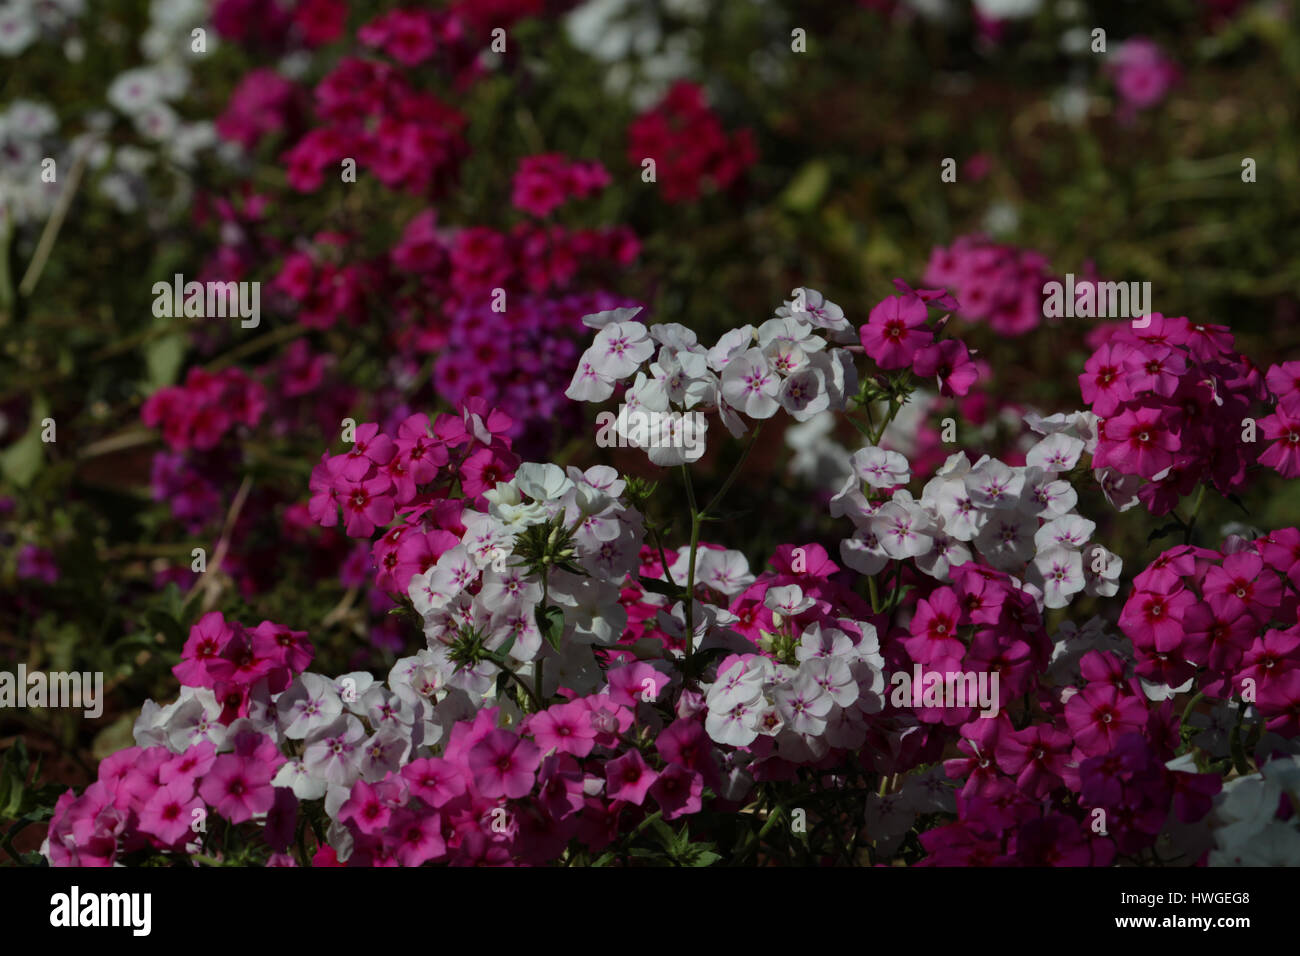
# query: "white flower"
1056, 452
880, 468
992, 484
803, 703
1045, 496
1120, 490
863, 552
311, 702
1067, 531
1007, 540
197, 718
946, 554
818, 311
804, 394
588, 384
834, 677
1061, 571
620, 348
157, 121
788, 601
1102, 568
750, 385
731, 344
333, 751
542, 482
598, 320
296, 777
954, 508
903, 529
17, 29
28, 120
135, 90
727, 572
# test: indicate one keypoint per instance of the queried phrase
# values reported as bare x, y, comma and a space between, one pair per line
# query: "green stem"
1196, 511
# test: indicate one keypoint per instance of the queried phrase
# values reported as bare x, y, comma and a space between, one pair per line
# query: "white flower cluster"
144, 94
821, 703
22, 22
1246, 829
1019, 520
477, 587
27, 137
787, 362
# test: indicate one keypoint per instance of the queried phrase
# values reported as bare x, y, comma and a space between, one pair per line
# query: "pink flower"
1139, 441
1284, 455
504, 765
628, 778
238, 788
895, 331
169, 813
1143, 74
948, 361
678, 791
566, 728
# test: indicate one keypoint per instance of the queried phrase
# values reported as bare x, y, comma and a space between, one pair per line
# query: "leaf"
707, 858
550, 621
806, 189
163, 357
1163, 532
22, 460
659, 587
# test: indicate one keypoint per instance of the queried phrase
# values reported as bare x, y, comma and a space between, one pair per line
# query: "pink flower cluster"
995, 283
1283, 426
152, 796
1172, 398
691, 150
1225, 619
544, 183
384, 477
898, 334
206, 408
407, 139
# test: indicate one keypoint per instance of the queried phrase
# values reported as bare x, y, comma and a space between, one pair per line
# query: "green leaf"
23, 459
163, 357
807, 188
550, 621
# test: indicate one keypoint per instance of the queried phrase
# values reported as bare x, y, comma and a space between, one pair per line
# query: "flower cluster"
370, 113
544, 183
786, 363
1019, 520
995, 283
691, 150
1173, 398
206, 408
1225, 622
898, 335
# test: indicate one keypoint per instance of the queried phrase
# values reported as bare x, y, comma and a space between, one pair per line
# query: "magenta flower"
238, 788
504, 765
678, 791
629, 778
895, 331
169, 813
